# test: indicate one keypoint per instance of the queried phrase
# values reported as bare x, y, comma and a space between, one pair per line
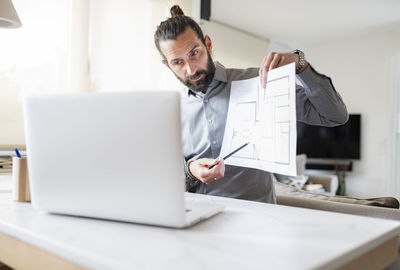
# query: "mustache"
196, 75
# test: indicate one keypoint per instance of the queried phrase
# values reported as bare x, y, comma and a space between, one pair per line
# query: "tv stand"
328, 164
339, 166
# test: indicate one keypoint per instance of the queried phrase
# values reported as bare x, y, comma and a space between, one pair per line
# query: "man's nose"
190, 69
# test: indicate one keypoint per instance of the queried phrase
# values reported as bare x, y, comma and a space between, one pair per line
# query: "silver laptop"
110, 155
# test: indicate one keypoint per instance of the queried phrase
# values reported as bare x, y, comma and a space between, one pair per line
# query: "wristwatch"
302, 60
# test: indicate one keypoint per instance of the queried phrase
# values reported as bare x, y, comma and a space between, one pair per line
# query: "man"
187, 53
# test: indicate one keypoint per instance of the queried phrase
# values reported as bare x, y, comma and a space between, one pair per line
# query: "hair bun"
176, 11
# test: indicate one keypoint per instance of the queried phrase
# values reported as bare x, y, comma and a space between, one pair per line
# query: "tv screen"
341, 142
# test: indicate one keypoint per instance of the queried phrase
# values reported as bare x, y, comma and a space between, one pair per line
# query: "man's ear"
165, 62
207, 41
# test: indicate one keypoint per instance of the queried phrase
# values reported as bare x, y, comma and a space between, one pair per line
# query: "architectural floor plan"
267, 119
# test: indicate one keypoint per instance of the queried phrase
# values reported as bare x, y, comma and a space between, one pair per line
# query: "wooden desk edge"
377, 258
19, 255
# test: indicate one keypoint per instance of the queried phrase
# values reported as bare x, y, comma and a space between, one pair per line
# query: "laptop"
114, 156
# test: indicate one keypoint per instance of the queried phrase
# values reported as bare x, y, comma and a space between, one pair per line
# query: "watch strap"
302, 60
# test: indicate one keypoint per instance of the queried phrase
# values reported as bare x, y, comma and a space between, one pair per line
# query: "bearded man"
186, 51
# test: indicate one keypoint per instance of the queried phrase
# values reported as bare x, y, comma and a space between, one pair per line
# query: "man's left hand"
274, 60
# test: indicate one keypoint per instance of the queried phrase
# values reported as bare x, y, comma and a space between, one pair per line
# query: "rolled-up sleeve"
317, 101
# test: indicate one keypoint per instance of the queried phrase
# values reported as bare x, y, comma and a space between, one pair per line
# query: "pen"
17, 152
232, 153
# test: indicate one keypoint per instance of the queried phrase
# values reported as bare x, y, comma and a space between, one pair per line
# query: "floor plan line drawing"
266, 118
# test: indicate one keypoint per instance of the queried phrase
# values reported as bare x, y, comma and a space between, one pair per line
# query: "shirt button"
206, 100
214, 142
210, 121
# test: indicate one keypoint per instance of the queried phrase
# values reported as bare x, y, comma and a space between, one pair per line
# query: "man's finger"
266, 68
215, 163
217, 160
264, 60
274, 62
263, 77
211, 180
207, 162
260, 71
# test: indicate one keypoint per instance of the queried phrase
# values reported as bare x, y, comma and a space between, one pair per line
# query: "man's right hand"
199, 169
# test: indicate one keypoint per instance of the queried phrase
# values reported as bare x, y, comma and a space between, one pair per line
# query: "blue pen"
17, 152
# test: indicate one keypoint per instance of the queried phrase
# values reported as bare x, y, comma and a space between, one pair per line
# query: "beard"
202, 84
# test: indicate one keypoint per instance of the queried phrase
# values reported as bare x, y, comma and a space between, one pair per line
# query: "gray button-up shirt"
203, 126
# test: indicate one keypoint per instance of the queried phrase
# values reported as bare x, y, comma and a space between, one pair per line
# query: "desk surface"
246, 235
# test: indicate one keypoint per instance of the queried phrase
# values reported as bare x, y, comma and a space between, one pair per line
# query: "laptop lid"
107, 155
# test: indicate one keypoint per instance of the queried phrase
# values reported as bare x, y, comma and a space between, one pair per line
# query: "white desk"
247, 235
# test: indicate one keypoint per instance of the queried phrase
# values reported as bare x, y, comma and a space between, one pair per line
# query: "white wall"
78, 39
32, 59
360, 69
234, 48
123, 56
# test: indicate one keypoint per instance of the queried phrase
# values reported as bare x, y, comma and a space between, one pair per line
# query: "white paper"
266, 118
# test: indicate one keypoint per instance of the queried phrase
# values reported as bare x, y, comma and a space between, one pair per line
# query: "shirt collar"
220, 75
220, 72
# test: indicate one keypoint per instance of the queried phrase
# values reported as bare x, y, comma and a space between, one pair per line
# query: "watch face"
302, 60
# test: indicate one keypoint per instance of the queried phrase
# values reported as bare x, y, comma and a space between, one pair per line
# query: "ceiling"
307, 21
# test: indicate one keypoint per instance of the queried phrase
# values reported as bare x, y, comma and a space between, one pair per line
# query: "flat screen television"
341, 142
